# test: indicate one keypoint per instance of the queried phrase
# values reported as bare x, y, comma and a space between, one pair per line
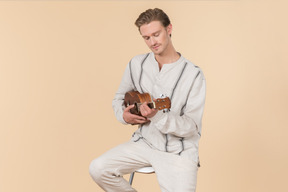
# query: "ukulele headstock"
163, 103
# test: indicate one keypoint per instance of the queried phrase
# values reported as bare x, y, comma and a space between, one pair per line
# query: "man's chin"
156, 52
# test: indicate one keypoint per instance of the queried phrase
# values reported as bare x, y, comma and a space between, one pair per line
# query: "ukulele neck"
158, 104
151, 105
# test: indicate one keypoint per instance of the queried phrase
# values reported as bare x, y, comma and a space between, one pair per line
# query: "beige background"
62, 61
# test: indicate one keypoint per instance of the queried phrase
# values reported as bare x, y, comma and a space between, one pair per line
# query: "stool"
145, 170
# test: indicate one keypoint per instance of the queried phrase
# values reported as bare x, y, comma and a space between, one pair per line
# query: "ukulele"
135, 98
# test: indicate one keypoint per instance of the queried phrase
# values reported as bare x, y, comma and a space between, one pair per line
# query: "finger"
145, 107
138, 117
153, 110
129, 107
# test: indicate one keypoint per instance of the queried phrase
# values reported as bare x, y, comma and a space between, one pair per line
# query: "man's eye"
156, 35
146, 38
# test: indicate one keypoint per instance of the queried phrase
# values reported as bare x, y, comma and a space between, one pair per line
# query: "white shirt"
184, 83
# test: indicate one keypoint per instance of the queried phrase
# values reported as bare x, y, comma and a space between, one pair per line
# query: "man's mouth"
156, 47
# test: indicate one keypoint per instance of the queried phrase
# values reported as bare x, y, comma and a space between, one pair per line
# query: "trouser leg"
175, 173
108, 170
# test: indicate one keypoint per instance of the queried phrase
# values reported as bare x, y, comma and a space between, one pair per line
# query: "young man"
166, 140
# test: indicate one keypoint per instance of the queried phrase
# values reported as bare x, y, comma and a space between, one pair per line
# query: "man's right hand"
131, 118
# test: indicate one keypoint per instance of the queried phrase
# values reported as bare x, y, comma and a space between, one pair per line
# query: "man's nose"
152, 41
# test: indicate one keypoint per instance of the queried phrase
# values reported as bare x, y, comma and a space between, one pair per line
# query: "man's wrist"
156, 117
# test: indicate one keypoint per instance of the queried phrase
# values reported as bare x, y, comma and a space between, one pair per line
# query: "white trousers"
175, 173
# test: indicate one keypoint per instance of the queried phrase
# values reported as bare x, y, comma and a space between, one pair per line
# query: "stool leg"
131, 178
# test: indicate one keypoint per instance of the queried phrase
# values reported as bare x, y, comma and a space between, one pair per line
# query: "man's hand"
147, 111
131, 118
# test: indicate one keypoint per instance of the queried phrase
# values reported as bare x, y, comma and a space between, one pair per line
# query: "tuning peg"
166, 110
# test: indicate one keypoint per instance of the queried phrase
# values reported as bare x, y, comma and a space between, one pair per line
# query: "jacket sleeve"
189, 122
118, 101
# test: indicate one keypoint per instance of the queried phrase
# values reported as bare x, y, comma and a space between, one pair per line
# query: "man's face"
156, 36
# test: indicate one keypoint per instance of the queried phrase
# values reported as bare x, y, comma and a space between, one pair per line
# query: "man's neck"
169, 56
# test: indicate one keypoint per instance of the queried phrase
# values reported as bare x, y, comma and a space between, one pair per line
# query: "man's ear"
169, 29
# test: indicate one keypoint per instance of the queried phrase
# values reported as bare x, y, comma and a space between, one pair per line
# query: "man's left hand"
146, 111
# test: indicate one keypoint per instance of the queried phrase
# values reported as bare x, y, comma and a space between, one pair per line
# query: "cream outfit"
169, 142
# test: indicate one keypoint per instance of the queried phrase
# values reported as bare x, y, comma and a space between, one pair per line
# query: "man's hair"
152, 15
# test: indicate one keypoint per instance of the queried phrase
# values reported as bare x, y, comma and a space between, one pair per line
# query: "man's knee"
96, 170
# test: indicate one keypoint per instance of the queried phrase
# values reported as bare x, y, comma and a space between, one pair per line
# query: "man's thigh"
124, 158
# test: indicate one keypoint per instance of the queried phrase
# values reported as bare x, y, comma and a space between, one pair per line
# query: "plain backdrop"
62, 61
